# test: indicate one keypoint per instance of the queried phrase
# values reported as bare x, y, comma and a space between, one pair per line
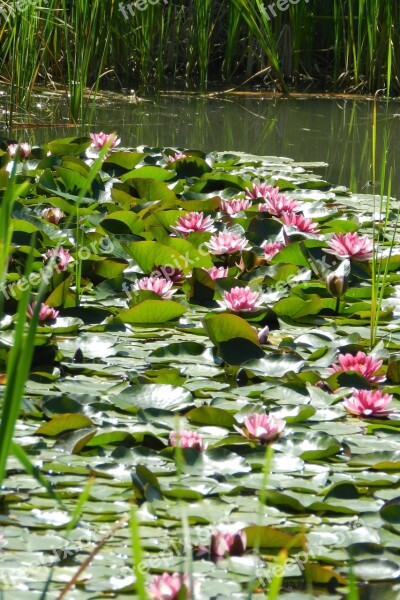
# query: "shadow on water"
335, 131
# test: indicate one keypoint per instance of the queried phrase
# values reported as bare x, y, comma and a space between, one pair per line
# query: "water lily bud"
231, 542
337, 282
263, 335
336, 285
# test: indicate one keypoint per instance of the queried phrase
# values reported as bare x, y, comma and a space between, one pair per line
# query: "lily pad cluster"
204, 354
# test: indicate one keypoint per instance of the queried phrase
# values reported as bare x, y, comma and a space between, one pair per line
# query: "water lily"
174, 157
300, 222
99, 140
24, 150
186, 439
278, 204
271, 248
262, 427
241, 299
169, 587
46, 313
365, 403
194, 221
226, 242
52, 215
229, 541
235, 206
159, 285
362, 363
261, 191
218, 272
62, 258
351, 245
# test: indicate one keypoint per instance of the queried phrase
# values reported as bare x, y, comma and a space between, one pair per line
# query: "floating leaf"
165, 397
64, 422
153, 311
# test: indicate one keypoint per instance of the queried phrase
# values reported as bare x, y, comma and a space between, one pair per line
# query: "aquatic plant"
351, 245
365, 403
24, 150
229, 541
99, 140
226, 242
194, 221
62, 258
186, 439
278, 204
241, 299
158, 285
234, 206
169, 587
124, 386
362, 363
262, 427
217, 272
300, 222
271, 249
46, 313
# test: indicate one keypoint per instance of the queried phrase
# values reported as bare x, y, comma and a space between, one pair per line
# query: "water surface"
336, 131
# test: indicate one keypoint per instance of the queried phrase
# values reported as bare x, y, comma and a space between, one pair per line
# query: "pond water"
336, 131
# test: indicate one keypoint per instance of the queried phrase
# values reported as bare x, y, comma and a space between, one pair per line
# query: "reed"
348, 44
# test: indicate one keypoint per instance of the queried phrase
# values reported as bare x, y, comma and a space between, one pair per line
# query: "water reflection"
334, 131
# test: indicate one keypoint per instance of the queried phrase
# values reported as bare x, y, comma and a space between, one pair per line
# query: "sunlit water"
338, 132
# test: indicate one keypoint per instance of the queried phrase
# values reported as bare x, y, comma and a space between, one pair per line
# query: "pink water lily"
62, 258
241, 299
226, 242
365, 364
235, 206
186, 439
351, 245
169, 587
24, 150
262, 427
218, 272
46, 313
365, 403
230, 541
278, 204
261, 191
159, 285
300, 222
194, 221
52, 215
272, 248
99, 140
174, 157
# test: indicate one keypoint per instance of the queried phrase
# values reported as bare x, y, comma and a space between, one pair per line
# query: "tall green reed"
385, 229
21, 353
200, 39
351, 43
85, 48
